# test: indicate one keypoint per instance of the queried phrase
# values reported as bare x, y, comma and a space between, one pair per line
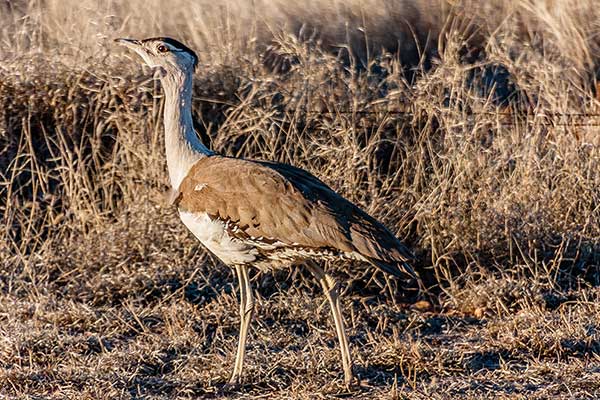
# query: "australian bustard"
257, 213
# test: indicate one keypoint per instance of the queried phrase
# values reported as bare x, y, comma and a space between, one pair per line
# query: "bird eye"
162, 48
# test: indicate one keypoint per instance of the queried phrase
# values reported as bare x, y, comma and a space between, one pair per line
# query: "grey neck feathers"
182, 145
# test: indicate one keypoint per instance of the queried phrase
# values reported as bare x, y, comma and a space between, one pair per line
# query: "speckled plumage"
281, 212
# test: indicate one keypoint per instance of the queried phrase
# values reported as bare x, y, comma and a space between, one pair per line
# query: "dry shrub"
467, 164
456, 123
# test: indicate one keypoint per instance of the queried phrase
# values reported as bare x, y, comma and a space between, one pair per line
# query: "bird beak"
129, 43
138, 47
134, 45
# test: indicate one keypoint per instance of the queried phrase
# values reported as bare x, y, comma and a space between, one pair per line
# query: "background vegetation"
470, 128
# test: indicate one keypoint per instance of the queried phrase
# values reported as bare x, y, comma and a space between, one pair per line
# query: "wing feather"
278, 201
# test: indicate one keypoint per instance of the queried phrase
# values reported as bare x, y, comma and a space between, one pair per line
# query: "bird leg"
331, 289
246, 311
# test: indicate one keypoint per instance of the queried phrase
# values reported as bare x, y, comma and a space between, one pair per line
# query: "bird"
260, 214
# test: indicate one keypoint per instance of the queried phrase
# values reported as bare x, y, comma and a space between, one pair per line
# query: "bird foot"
233, 385
352, 383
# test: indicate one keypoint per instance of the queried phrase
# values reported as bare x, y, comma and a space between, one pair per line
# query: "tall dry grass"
459, 124
470, 161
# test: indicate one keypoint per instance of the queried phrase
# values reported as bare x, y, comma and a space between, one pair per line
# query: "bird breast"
212, 233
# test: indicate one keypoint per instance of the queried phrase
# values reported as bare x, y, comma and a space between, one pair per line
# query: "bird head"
163, 53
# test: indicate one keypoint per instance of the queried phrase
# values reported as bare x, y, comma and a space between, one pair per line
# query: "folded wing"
278, 202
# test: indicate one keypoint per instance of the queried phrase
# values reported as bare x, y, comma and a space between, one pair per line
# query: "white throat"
182, 145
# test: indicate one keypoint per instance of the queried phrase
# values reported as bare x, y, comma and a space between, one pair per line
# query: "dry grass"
451, 129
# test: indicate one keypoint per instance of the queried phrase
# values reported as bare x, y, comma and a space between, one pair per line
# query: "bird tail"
400, 269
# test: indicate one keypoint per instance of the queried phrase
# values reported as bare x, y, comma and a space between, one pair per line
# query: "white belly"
213, 235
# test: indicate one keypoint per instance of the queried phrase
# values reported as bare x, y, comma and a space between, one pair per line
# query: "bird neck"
182, 145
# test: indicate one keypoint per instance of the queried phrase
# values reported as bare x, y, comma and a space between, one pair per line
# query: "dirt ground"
162, 322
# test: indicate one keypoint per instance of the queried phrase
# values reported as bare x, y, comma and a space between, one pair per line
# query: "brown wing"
278, 201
